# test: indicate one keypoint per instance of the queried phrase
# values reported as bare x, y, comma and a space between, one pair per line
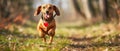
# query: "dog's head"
47, 11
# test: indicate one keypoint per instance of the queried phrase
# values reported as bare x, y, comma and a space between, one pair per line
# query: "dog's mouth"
47, 16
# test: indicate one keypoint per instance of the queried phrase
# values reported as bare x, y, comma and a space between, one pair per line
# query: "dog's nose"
47, 12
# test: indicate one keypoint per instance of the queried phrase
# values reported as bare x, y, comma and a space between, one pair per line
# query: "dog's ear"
37, 11
56, 10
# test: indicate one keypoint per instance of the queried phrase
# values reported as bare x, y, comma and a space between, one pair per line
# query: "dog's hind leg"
44, 39
51, 39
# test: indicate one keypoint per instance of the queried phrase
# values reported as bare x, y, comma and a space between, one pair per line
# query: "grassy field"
69, 37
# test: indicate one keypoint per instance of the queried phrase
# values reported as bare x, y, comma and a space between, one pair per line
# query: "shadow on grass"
81, 39
93, 44
103, 44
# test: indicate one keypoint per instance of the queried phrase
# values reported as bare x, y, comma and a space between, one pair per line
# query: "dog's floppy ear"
56, 10
37, 11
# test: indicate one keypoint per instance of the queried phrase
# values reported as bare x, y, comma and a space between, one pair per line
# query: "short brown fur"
50, 29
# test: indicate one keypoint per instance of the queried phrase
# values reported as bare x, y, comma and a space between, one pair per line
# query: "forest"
83, 25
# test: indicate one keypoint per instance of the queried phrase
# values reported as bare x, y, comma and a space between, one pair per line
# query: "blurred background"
79, 18
72, 11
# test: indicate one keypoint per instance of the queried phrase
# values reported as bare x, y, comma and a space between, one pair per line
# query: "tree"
103, 9
86, 8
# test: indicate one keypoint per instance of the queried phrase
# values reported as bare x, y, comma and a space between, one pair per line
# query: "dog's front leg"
51, 33
42, 35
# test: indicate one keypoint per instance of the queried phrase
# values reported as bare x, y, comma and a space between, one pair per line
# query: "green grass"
97, 37
25, 38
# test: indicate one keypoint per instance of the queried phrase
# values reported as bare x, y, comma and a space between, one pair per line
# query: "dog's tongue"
45, 24
47, 15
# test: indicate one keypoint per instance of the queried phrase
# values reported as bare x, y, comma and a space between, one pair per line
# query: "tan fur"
50, 29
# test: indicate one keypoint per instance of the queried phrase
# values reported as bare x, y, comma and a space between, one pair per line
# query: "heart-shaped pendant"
45, 24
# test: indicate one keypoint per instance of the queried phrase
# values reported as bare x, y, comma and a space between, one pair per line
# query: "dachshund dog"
47, 23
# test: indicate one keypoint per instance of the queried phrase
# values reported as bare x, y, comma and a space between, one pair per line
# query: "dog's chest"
45, 25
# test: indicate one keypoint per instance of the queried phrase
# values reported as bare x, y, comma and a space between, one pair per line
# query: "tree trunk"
86, 9
103, 9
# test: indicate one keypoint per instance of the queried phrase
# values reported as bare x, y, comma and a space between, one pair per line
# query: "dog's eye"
50, 7
43, 7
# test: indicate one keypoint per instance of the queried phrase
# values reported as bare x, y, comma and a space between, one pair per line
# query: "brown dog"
47, 25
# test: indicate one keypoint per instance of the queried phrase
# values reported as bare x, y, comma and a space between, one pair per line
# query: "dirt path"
78, 43
86, 44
